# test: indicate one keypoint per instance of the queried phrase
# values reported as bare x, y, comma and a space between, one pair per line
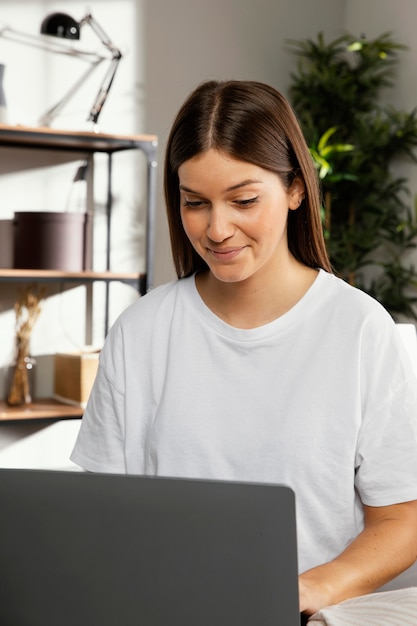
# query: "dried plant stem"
27, 310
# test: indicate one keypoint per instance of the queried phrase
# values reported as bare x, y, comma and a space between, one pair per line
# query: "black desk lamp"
63, 26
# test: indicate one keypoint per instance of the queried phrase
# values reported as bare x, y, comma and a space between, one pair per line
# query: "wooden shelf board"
55, 139
45, 408
58, 275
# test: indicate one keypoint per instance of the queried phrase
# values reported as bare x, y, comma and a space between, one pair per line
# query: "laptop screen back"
80, 549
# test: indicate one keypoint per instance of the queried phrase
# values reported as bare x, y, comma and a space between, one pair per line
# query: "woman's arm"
386, 547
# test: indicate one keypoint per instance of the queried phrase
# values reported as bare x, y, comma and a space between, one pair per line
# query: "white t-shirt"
323, 399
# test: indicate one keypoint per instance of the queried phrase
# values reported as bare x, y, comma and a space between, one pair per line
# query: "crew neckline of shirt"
285, 322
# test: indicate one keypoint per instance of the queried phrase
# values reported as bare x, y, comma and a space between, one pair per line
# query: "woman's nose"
219, 226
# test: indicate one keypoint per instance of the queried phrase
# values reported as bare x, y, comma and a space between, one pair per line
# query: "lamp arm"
111, 71
101, 34
38, 41
103, 91
49, 115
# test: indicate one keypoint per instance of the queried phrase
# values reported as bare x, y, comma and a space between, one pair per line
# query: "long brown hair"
251, 122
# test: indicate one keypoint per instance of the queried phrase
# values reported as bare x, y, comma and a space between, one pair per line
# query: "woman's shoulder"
351, 298
160, 293
359, 318
159, 300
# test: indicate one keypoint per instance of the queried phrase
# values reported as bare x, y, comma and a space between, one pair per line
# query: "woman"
259, 364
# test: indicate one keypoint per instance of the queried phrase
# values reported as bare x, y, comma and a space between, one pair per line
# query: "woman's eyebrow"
249, 181
187, 189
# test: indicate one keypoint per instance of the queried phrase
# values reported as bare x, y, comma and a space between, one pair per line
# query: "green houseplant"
369, 216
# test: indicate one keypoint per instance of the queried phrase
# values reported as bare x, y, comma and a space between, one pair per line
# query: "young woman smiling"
234, 214
258, 363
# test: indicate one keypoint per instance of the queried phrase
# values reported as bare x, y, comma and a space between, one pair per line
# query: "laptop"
80, 549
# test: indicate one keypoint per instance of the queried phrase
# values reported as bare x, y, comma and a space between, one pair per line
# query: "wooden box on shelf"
74, 375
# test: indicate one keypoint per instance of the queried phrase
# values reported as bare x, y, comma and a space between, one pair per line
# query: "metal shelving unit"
35, 145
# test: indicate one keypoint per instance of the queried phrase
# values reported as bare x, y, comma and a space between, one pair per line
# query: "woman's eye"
193, 203
247, 201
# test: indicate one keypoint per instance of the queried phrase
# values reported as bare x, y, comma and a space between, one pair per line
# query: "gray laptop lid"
82, 549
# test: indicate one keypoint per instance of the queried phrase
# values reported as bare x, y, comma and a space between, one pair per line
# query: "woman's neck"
254, 302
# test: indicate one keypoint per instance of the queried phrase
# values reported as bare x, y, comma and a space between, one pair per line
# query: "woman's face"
235, 215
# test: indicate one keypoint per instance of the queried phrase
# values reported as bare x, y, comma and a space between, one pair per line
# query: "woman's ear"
296, 194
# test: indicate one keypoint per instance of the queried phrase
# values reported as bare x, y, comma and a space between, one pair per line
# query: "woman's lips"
225, 254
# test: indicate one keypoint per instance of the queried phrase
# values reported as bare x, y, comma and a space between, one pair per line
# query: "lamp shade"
60, 25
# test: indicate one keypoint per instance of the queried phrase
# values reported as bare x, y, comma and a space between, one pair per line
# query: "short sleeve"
386, 459
100, 444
